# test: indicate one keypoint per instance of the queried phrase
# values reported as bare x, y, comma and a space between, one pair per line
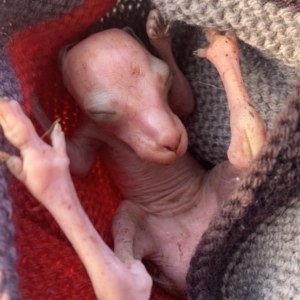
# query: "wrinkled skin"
132, 110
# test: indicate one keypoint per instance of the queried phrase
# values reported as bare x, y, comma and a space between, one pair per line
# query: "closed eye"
100, 112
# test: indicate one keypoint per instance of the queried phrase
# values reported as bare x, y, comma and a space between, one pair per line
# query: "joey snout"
156, 135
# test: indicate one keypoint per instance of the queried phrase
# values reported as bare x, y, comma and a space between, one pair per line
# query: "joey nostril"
168, 148
173, 146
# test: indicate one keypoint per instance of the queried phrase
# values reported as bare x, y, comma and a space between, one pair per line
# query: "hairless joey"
132, 102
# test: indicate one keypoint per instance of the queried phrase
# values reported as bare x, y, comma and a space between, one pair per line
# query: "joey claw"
52, 127
4, 156
58, 138
210, 33
201, 52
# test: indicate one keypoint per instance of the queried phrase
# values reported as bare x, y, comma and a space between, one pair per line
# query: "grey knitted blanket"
251, 250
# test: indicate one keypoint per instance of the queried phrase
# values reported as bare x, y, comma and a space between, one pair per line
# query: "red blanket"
48, 266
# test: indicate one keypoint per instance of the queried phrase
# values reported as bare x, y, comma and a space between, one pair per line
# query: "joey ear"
62, 53
130, 31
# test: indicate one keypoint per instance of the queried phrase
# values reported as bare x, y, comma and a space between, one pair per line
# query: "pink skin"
136, 110
166, 208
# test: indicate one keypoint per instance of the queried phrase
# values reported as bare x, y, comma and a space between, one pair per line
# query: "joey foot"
158, 30
44, 171
157, 27
222, 47
247, 127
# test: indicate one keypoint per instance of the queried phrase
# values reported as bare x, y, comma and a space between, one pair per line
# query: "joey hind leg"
247, 127
135, 241
44, 171
159, 32
132, 240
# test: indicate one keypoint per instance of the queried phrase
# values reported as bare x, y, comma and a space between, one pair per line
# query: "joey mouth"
159, 143
165, 154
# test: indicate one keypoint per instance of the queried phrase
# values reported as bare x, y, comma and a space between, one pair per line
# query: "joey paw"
157, 27
222, 47
41, 167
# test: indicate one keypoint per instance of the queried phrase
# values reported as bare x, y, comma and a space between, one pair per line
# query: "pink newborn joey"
131, 102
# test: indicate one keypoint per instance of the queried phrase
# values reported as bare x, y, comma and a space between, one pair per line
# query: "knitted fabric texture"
265, 202
251, 249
